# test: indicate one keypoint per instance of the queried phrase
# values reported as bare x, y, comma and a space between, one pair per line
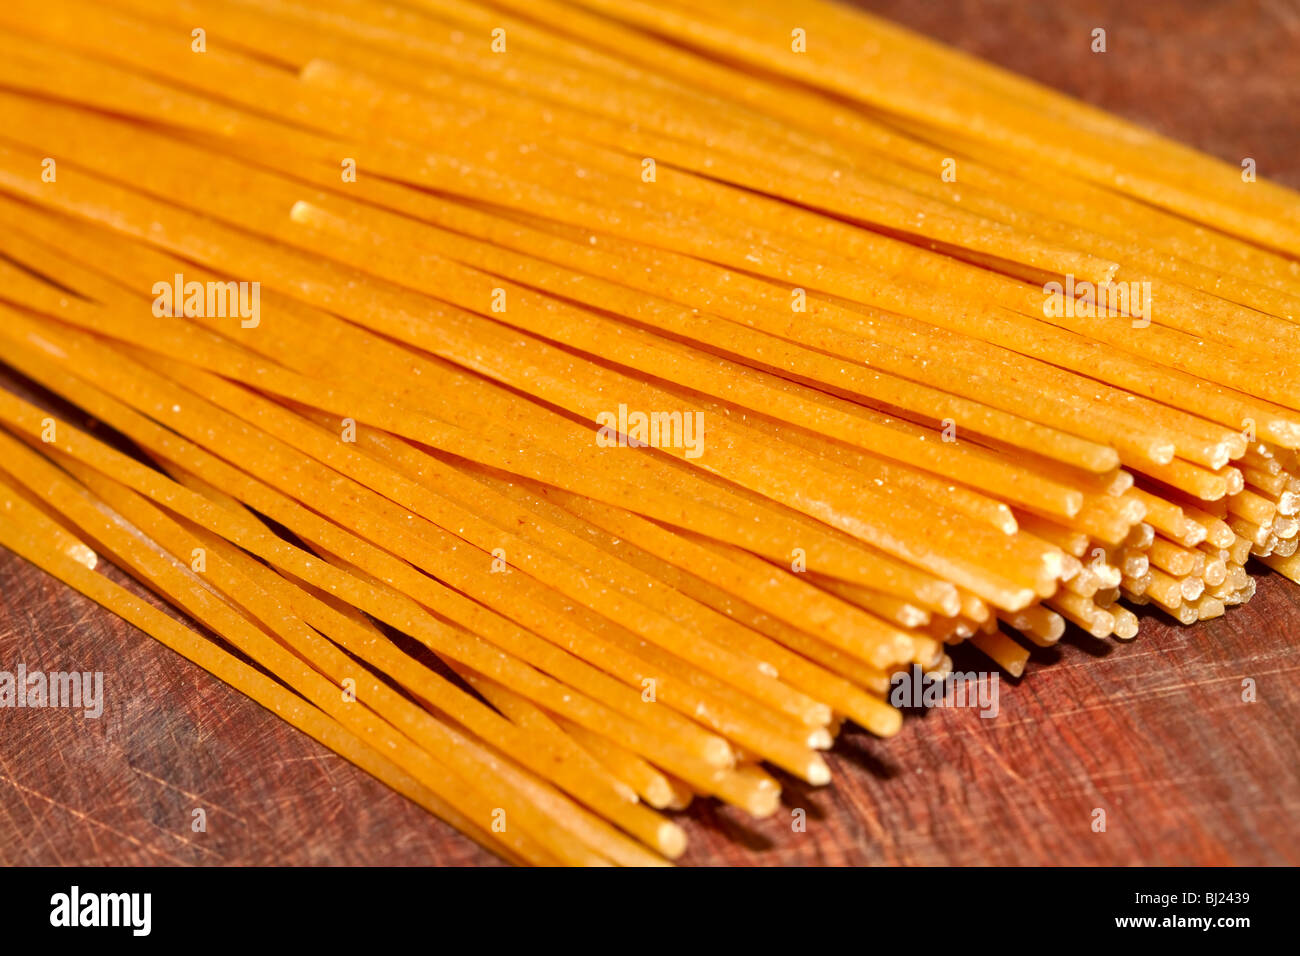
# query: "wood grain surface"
1154, 733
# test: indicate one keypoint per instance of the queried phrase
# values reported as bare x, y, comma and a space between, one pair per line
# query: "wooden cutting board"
1154, 733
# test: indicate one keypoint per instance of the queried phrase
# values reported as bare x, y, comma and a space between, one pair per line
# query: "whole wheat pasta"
654, 382
407, 424
1009, 655
648, 714
30, 542
194, 507
1039, 624
315, 687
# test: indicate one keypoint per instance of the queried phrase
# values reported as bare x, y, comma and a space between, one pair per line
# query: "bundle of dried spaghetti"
576, 408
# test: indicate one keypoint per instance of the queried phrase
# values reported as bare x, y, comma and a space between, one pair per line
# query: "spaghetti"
366, 284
